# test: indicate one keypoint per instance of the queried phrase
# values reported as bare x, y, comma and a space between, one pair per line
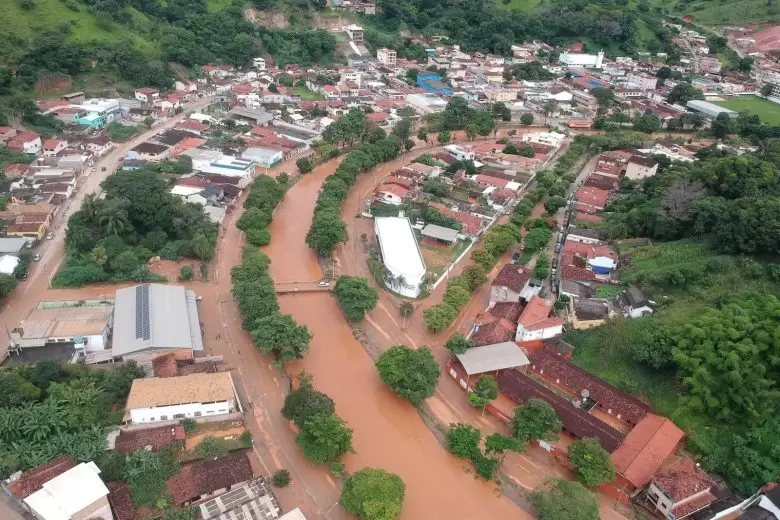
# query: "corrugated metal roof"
490, 358
440, 233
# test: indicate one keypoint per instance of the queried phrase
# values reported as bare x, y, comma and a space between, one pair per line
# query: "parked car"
49, 236
37, 257
324, 284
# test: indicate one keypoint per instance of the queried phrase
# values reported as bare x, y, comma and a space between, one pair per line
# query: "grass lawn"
768, 112
608, 292
306, 94
732, 13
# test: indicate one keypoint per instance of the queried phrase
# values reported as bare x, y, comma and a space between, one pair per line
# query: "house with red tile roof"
52, 147
192, 126
392, 194
472, 224
535, 322
207, 476
26, 142
498, 331
510, 283
644, 450
680, 489
590, 197
153, 439
33, 480
380, 118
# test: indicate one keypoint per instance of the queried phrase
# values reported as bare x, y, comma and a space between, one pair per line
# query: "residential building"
85, 323
26, 142
588, 313
535, 324
387, 56
209, 477
160, 399
640, 167
500, 95
460, 153
149, 152
401, 255
642, 81
75, 494
97, 113
52, 147
254, 499
147, 95
680, 489
355, 33
392, 194
634, 303
217, 163
258, 63
511, 283
263, 157
152, 318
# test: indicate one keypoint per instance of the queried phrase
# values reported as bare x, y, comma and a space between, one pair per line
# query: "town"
278, 291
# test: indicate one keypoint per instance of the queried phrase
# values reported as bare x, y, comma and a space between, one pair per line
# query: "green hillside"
724, 12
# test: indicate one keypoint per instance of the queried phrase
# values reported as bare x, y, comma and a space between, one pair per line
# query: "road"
28, 293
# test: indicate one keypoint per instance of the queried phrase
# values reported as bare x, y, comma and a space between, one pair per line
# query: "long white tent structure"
401, 255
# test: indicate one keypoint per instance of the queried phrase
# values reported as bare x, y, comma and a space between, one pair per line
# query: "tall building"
387, 56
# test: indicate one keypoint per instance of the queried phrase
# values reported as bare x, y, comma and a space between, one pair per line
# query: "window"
178, 416
163, 417
197, 414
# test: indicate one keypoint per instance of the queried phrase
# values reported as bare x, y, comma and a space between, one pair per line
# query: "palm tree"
91, 206
99, 256
202, 247
113, 219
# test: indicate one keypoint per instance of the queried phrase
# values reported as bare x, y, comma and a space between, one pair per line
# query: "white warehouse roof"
400, 252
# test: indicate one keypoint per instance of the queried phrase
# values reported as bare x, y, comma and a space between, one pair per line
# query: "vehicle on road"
324, 284
37, 257
103, 169
515, 257
49, 236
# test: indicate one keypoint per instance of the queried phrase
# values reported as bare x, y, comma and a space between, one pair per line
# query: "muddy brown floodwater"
388, 432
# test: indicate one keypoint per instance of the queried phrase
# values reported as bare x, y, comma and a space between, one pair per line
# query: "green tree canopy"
463, 440
458, 343
593, 464
565, 500
324, 438
373, 494
536, 420
356, 297
281, 334
411, 373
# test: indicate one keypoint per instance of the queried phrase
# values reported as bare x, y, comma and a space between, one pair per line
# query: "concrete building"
216, 162
535, 322
158, 399
387, 56
588, 61
710, 110
433, 84
258, 63
639, 167
264, 157
77, 494
401, 255
460, 153
426, 104
355, 33
149, 152
152, 318
147, 95
257, 117
97, 112
85, 323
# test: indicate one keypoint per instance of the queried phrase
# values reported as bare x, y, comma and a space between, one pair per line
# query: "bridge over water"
301, 287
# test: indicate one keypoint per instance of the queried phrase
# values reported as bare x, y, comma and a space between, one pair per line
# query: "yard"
437, 259
768, 112
306, 94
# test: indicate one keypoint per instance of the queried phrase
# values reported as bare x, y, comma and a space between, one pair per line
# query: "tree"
211, 447
373, 494
766, 90
463, 440
554, 203
605, 96
500, 445
304, 403
745, 64
443, 137
281, 335
456, 296
422, 134
537, 239
593, 464
411, 373
486, 390
647, 123
356, 297
474, 276
327, 230
304, 164
484, 259
682, 93
527, 119
722, 126
458, 343
536, 420
324, 438
281, 478
565, 500
405, 309
438, 317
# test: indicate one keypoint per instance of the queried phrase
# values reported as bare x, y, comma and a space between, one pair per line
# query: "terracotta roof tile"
121, 501
579, 274
682, 479
512, 276
498, 331
33, 480
208, 475
693, 505
508, 310
164, 365
157, 438
646, 448
537, 310
575, 379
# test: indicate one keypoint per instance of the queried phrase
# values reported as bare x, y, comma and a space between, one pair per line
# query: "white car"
49, 236
324, 284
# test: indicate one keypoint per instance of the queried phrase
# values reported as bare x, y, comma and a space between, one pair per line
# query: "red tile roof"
157, 438
491, 181
592, 196
578, 422
512, 276
164, 365
577, 274
395, 189
602, 182
509, 310
404, 183
536, 311
191, 124
147, 90
31, 227
498, 331
377, 117
121, 501
50, 144
646, 448
575, 379
589, 251
208, 475
471, 223
693, 505
33, 480
682, 479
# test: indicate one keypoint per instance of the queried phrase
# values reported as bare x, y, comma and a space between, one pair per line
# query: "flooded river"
388, 432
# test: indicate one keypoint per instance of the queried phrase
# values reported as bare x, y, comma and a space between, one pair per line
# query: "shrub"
211, 447
281, 478
305, 165
245, 439
439, 317
186, 274
190, 425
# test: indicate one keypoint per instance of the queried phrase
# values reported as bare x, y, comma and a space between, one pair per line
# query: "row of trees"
327, 229
112, 238
265, 194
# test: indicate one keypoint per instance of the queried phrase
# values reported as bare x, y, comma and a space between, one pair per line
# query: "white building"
535, 322
460, 153
401, 255
214, 161
158, 399
639, 167
355, 33
426, 104
588, 61
263, 157
258, 63
77, 494
8, 264
549, 138
85, 323
642, 81
147, 95
387, 57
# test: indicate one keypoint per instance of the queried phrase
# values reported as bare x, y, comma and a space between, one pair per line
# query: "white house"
86, 323
52, 147
76, 494
258, 63
387, 57
460, 153
27, 142
147, 95
639, 167
589, 61
549, 138
401, 255
392, 194
535, 324
634, 303
157, 399
214, 161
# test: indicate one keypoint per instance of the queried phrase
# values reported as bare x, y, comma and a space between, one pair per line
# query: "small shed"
440, 234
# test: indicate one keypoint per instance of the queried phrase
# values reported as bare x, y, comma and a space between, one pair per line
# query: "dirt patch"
190, 443
266, 19
170, 269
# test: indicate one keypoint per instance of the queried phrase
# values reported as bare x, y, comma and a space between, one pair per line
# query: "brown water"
388, 432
